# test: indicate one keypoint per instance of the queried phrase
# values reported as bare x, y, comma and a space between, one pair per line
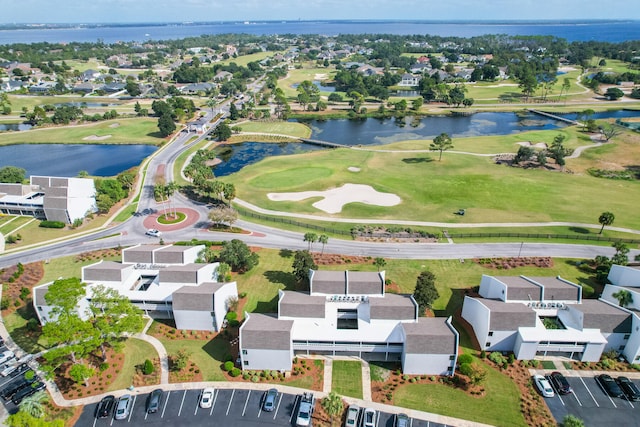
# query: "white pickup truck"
305, 410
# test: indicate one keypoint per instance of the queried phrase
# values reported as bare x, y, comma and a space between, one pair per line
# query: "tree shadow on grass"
281, 278
22, 336
579, 230
455, 302
218, 348
413, 160
286, 253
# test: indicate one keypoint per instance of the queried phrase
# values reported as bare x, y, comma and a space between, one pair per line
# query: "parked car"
8, 392
543, 386
402, 420
153, 401
609, 385
8, 368
353, 413
629, 388
104, 408
369, 417
560, 383
153, 232
23, 367
270, 400
206, 398
305, 410
5, 356
124, 407
27, 391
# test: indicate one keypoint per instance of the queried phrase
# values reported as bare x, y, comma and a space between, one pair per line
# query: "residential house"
348, 313
163, 281
532, 316
409, 80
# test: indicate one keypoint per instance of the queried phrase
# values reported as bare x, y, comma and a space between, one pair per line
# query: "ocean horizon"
614, 31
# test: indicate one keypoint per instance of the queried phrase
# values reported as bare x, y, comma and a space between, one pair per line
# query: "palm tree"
211, 102
606, 218
379, 262
34, 404
333, 405
624, 297
311, 238
323, 238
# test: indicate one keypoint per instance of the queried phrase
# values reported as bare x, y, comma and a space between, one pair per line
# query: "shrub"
32, 325
242, 295
235, 372
246, 376
103, 367
483, 354
232, 315
255, 379
228, 366
24, 293
4, 304
51, 224
147, 368
29, 375
465, 358
497, 358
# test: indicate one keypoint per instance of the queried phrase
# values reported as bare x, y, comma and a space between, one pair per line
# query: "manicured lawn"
300, 75
346, 378
298, 130
306, 381
135, 353
16, 324
431, 190
68, 266
122, 131
208, 355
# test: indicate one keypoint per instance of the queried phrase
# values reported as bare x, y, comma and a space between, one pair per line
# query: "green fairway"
346, 378
430, 190
118, 131
294, 129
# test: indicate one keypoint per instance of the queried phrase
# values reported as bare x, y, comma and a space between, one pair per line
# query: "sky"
123, 11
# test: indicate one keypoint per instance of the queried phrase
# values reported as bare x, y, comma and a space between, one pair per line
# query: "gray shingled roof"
556, 289
142, 253
365, 283
430, 335
180, 273
520, 289
262, 331
107, 270
508, 316
39, 293
328, 282
298, 304
392, 306
196, 298
608, 318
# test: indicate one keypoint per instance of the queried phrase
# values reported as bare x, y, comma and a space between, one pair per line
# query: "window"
244, 351
452, 357
490, 333
246, 363
488, 344
621, 348
626, 336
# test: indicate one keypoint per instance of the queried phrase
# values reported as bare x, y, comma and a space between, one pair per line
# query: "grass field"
208, 355
431, 190
122, 131
346, 378
299, 75
135, 353
294, 129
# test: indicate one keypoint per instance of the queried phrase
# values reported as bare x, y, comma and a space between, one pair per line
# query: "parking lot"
230, 408
591, 404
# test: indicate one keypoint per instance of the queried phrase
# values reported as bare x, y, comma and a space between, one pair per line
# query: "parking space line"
629, 402
131, 410
576, 396
182, 403
556, 391
245, 403
377, 418
612, 402
112, 418
195, 411
589, 391
277, 407
230, 400
216, 393
166, 401
95, 420
410, 422
293, 411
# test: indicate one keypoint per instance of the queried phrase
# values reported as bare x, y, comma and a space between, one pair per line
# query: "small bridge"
553, 116
324, 143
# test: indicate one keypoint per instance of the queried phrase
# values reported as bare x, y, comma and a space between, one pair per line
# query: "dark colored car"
153, 401
23, 367
104, 408
609, 385
8, 392
27, 391
560, 383
270, 400
629, 388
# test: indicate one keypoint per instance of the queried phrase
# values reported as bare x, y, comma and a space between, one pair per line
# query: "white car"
206, 398
543, 386
153, 232
5, 356
353, 413
369, 417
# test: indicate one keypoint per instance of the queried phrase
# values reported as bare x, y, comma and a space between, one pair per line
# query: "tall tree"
606, 218
332, 404
441, 143
302, 263
323, 239
425, 292
12, 174
237, 254
310, 238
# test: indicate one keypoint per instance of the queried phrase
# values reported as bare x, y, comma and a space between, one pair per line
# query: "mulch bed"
301, 368
333, 259
14, 281
191, 373
514, 262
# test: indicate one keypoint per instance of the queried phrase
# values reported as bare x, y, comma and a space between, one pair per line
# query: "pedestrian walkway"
366, 381
162, 352
328, 375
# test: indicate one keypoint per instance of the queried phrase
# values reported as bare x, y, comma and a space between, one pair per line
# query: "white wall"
609, 290
208, 273
474, 312
624, 276
524, 350
492, 288
592, 352
191, 254
81, 197
220, 301
280, 360
427, 364
632, 349
194, 320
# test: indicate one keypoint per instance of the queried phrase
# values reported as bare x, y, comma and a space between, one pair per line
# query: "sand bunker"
334, 199
542, 145
114, 125
319, 76
353, 169
95, 138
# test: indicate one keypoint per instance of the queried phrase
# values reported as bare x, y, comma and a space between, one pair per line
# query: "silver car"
353, 413
124, 407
